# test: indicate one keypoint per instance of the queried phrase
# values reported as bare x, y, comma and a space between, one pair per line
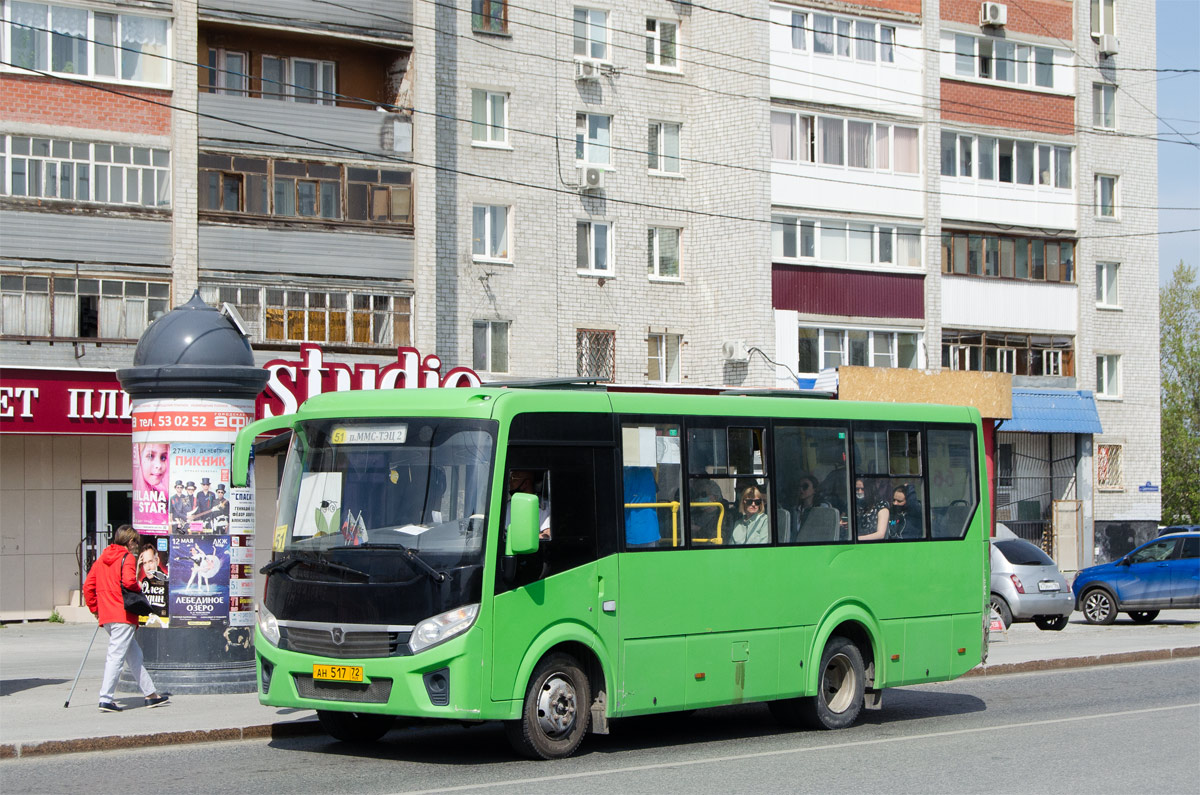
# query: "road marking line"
786, 751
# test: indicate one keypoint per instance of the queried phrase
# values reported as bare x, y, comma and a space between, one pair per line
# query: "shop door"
106, 506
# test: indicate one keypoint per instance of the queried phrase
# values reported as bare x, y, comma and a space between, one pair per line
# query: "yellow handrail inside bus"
720, 506
674, 506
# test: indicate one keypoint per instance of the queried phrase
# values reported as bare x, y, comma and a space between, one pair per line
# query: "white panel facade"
994, 304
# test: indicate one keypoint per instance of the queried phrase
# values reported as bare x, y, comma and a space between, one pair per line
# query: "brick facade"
46, 100
1007, 107
1049, 18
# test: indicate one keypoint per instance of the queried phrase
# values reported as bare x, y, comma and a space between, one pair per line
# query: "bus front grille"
354, 644
376, 691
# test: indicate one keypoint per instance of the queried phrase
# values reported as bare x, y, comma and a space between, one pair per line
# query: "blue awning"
1052, 411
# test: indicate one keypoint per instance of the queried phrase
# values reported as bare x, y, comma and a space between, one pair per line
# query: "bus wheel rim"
556, 706
837, 686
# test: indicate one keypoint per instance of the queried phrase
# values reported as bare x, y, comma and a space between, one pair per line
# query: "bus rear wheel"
556, 711
354, 727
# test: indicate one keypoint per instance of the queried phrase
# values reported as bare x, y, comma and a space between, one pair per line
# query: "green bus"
556, 557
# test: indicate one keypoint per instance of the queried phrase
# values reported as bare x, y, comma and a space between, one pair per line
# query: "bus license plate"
338, 673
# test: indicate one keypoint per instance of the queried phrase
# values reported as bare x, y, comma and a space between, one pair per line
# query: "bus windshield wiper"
410, 555
285, 564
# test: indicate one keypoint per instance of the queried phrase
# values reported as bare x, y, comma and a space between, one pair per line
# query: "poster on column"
154, 578
199, 580
182, 456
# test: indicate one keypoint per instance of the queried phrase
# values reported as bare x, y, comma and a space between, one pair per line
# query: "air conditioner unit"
591, 178
735, 351
1109, 44
994, 14
587, 70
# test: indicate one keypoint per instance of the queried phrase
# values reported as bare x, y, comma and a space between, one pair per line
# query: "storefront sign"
66, 402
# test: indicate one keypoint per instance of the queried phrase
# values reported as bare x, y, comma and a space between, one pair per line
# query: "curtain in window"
112, 316
833, 242
65, 320
832, 144
14, 314
68, 21
145, 42
907, 160
860, 144
864, 45
783, 136
909, 247
861, 238
883, 145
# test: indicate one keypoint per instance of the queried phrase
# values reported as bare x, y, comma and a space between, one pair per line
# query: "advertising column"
193, 386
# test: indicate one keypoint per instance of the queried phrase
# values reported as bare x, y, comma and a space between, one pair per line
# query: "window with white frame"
489, 117
662, 247
837, 241
662, 38
799, 30
299, 80
1104, 17
1110, 470
74, 308
591, 34
1005, 160
75, 41
852, 38
596, 354
834, 141
228, 72
489, 16
1006, 352
489, 348
662, 358
1104, 105
1107, 294
56, 168
791, 136
490, 226
593, 244
593, 138
1106, 196
822, 347
1108, 375
662, 147
990, 58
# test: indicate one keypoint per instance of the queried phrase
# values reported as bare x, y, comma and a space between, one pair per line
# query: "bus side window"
812, 484
953, 497
651, 485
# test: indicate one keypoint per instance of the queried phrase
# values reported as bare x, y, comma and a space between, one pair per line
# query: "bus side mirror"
523, 525
245, 441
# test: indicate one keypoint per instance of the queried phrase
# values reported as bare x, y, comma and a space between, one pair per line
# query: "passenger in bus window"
872, 513
904, 520
809, 497
528, 482
752, 526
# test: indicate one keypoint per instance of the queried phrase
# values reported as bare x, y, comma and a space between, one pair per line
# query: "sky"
1179, 107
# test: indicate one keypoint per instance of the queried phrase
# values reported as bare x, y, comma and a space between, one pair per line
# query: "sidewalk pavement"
38, 662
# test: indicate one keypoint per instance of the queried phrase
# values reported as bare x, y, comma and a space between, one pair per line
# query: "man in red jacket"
116, 567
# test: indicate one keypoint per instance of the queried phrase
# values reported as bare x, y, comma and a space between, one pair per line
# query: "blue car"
1163, 574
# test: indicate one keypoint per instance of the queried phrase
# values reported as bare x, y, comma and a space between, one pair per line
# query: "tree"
1180, 363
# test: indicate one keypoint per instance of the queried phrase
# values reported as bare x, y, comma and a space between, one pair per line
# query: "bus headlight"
268, 626
433, 631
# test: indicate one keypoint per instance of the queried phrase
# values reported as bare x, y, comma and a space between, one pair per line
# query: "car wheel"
1099, 607
1001, 607
1143, 616
354, 727
556, 712
1053, 623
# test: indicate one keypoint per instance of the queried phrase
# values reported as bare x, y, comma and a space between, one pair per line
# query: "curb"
276, 731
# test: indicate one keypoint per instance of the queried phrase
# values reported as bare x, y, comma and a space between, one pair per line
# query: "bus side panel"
967, 636
732, 667
653, 675
794, 643
926, 654
892, 672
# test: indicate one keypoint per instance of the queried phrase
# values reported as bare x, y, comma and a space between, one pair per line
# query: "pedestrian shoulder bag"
135, 601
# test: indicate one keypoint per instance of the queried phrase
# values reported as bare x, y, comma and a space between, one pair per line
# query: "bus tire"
354, 727
556, 711
840, 686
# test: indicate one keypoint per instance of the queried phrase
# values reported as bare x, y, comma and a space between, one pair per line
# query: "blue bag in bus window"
641, 524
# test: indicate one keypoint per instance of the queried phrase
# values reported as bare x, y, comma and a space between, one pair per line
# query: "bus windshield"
419, 484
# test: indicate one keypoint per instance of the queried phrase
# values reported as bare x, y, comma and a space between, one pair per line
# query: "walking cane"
67, 703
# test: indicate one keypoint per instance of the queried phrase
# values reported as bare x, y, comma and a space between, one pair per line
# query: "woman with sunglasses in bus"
751, 526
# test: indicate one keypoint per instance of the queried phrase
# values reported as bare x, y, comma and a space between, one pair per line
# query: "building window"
887, 44
592, 247
662, 358
596, 354
1002, 352
833, 241
661, 47
299, 80
1104, 111
662, 147
490, 346
304, 190
343, 317
228, 72
1108, 375
662, 248
1107, 294
1003, 61
489, 117
833, 347
799, 31
1110, 471
489, 16
54, 168
591, 34
51, 38
1032, 259
592, 138
72, 308
1003, 160
1106, 196
1104, 17
844, 142
490, 226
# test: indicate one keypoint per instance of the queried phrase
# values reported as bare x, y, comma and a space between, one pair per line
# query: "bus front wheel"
354, 727
556, 711
840, 687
